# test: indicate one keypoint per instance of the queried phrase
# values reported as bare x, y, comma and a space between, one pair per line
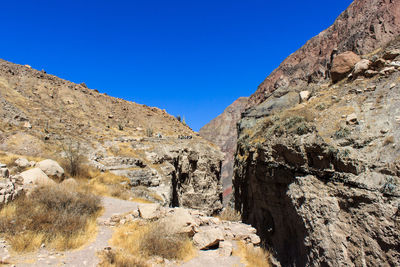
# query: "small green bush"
343, 132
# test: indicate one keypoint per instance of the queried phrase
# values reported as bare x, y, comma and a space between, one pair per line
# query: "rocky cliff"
42, 114
364, 26
222, 132
317, 165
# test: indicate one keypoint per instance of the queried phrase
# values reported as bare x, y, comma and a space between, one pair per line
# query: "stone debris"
304, 96
207, 232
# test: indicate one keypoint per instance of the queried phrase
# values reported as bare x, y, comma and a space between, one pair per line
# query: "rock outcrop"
222, 132
366, 25
320, 180
43, 115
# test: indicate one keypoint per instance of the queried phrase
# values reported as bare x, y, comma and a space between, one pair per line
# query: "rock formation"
319, 176
222, 132
366, 25
43, 115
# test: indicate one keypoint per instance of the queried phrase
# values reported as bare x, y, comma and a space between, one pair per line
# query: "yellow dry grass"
230, 214
9, 158
55, 216
143, 240
252, 256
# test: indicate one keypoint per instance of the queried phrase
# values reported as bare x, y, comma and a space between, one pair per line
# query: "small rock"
361, 67
391, 54
225, 248
378, 64
27, 125
384, 131
395, 64
387, 70
393, 85
351, 119
370, 73
255, 239
22, 163
304, 96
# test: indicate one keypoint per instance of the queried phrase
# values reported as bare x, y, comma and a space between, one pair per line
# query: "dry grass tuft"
60, 218
230, 214
252, 256
119, 259
145, 240
111, 185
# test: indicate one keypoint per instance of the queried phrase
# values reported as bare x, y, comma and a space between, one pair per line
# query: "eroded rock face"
52, 116
363, 27
222, 132
320, 180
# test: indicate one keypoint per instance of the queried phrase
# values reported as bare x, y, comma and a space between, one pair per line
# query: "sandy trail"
86, 256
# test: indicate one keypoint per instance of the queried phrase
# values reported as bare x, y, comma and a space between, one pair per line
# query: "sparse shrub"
110, 258
149, 132
290, 122
343, 132
178, 117
230, 214
120, 127
344, 153
150, 239
295, 124
73, 158
159, 242
252, 256
389, 186
388, 140
302, 128
53, 215
321, 106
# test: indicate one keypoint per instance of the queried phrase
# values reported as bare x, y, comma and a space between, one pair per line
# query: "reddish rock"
222, 132
363, 27
343, 64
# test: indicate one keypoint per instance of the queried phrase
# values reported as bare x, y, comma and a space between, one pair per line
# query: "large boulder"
149, 211
36, 176
343, 64
51, 168
208, 238
181, 221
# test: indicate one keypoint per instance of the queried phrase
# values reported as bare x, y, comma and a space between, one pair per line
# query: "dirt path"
85, 256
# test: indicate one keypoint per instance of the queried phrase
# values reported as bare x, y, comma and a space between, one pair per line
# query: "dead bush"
52, 215
73, 161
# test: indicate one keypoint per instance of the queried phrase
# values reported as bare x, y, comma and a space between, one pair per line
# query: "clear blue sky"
190, 57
